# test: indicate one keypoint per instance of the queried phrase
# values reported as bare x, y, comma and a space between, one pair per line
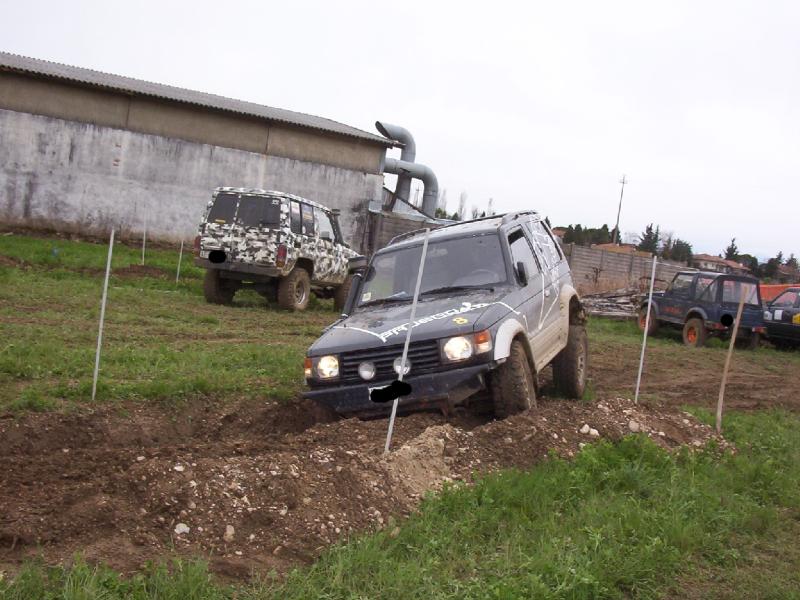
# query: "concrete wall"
53, 98
595, 270
58, 172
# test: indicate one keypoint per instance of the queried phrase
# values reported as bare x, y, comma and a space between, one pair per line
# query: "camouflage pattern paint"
258, 245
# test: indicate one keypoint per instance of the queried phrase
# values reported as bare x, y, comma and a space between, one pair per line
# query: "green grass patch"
620, 520
162, 341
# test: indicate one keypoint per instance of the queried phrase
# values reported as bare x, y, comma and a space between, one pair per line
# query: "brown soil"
261, 486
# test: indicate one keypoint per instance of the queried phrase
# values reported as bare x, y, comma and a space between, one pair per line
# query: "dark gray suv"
497, 305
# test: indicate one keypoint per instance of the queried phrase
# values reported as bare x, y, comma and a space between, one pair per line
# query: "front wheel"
294, 290
695, 333
570, 366
512, 385
642, 321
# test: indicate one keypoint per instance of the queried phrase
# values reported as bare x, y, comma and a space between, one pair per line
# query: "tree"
648, 240
474, 212
791, 262
490, 207
751, 262
681, 251
732, 251
462, 205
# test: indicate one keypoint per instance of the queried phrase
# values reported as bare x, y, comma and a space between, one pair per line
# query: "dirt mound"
257, 486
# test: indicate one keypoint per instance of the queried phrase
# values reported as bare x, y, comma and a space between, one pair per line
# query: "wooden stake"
646, 329
728, 361
180, 258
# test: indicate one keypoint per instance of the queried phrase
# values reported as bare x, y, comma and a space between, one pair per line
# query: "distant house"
709, 262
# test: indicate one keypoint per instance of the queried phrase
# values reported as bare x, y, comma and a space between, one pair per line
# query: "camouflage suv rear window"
223, 209
258, 211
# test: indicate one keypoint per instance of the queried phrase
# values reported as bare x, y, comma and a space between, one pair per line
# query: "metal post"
144, 237
728, 362
180, 258
646, 329
408, 339
102, 317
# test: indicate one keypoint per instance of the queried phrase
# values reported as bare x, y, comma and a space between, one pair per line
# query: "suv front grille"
423, 356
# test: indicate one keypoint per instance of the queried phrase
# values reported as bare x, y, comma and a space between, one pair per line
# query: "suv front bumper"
433, 390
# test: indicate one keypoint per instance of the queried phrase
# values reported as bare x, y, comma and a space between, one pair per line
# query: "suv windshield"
450, 265
259, 211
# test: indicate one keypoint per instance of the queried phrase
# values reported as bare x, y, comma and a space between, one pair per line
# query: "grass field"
162, 341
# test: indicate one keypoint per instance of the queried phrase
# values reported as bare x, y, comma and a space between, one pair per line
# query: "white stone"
179, 468
181, 528
585, 429
634, 426
229, 533
594, 433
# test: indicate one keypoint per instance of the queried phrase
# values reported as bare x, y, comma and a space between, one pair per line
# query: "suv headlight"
458, 348
463, 347
323, 367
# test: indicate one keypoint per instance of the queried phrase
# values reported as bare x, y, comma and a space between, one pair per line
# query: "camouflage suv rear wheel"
218, 290
294, 290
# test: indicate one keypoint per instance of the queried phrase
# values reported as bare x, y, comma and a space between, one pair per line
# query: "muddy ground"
265, 486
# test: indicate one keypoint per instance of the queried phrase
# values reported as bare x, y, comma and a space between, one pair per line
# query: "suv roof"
462, 228
716, 275
271, 193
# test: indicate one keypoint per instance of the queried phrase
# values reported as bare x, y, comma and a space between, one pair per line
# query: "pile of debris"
617, 304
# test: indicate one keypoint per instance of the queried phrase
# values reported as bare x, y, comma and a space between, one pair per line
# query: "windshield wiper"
457, 288
388, 299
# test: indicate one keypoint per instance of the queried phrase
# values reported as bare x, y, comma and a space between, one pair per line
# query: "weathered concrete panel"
57, 99
326, 149
64, 173
197, 125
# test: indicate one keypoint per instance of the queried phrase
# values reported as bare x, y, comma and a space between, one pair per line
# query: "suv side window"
295, 219
680, 285
324, 225
544, 243
521, 252
705, 288
308, 219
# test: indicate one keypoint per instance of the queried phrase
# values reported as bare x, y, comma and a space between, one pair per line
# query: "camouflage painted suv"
281, 245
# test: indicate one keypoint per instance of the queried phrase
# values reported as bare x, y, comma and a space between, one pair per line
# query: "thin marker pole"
102, 317
144, 237
646, 329
728, 363
180, 258
408, 339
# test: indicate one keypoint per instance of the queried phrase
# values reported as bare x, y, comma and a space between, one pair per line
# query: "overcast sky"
537, 105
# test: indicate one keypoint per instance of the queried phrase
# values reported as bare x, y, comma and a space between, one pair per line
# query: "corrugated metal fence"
596, 270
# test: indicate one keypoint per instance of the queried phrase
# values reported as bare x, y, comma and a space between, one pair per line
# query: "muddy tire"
294, 290
695, 333
512, 385
641, 319
341, 293
571, 365
216, 289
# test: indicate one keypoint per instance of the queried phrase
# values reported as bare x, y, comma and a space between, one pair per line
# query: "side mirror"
522, 274
357, 264
326, 235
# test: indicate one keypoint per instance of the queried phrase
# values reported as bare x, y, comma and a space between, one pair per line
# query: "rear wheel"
571, 365
341, 293
642, 320
294, 290
694, 333
512, 385
216, 289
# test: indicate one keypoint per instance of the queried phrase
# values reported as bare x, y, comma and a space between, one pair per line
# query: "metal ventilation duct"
408, 154
424, 174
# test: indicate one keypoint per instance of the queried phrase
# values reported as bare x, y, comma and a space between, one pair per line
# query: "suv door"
327, 254
257, 229
674, 303
549, 259
531, 293
219, 222
784, 316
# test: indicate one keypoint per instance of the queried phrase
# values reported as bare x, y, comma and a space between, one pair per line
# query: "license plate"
203, 253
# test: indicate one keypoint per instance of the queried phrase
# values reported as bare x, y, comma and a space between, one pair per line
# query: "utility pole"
623, 181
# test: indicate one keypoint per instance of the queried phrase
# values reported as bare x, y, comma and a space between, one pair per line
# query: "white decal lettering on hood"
452, 312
